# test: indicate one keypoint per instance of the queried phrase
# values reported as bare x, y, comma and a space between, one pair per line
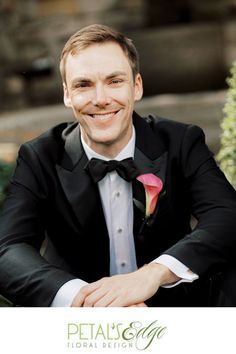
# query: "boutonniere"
153, 186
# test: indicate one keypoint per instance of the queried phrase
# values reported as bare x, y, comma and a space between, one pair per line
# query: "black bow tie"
99, 168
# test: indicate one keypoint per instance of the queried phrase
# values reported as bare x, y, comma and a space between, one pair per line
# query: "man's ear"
67, 100
138, 87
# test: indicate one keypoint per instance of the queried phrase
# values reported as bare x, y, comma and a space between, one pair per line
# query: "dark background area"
186, 50
184, 45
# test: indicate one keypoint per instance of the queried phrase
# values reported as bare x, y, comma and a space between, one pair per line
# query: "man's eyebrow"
115, 74
80, 79
84, 79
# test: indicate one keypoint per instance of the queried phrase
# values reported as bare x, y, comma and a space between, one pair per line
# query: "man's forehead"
107, 49
105, 59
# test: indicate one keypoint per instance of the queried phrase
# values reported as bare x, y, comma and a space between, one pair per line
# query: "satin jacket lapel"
81, 192
150, 157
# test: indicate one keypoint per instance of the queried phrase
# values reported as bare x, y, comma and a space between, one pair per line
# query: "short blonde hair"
94, 34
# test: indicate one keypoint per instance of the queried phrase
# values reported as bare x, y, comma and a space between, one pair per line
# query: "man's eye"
81, 85
116, 81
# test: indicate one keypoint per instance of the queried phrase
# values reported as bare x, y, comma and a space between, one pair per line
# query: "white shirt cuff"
178, 268
67, 292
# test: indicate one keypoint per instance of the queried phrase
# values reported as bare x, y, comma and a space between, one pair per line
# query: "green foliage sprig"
6, 171
227, 152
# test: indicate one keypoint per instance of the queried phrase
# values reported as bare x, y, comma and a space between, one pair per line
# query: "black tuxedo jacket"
52, 194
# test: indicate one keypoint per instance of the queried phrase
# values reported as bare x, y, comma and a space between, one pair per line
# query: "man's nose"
101, 97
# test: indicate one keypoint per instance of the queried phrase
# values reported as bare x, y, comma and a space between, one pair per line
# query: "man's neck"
110, 154
107, 151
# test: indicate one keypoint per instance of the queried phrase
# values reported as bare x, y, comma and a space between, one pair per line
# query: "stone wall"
181, 59
173, 60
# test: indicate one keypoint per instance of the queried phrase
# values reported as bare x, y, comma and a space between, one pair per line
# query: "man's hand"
124, 290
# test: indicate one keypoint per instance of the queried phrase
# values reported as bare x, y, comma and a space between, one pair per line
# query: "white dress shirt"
117, 203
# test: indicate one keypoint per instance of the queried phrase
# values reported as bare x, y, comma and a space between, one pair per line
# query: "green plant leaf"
227, 153
139, 205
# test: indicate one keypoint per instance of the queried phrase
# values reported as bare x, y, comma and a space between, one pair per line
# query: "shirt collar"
127, 151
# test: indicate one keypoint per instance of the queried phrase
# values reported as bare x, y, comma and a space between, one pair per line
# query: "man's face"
101, 90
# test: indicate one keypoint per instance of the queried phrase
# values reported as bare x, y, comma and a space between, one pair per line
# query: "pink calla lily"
152, 185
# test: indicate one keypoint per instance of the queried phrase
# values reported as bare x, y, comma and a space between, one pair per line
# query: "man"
109, 243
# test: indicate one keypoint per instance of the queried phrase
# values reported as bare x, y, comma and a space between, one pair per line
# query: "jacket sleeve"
212, 243
26, 278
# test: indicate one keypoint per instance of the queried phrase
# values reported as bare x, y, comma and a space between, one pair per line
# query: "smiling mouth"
103, 116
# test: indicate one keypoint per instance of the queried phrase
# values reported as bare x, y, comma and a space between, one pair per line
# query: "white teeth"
103, 116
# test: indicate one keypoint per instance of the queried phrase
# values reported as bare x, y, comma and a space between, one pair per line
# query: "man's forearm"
183, 273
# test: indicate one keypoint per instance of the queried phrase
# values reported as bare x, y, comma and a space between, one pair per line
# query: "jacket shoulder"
164, 123
174, 129
50, 144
